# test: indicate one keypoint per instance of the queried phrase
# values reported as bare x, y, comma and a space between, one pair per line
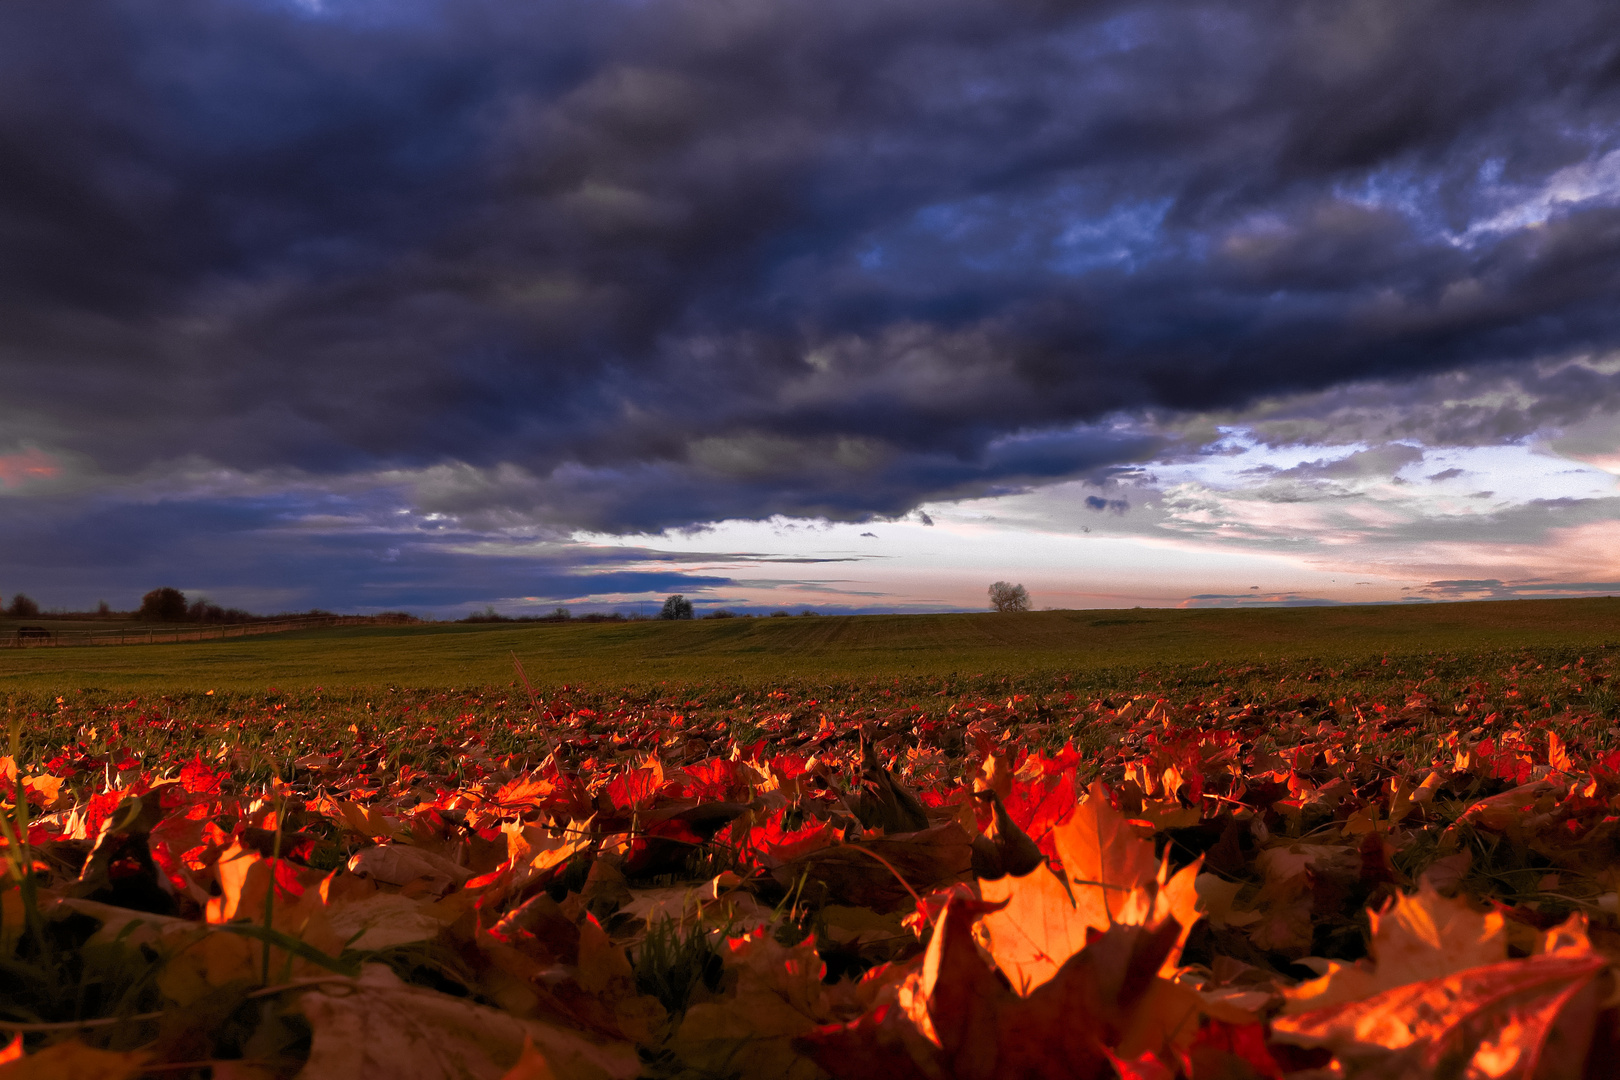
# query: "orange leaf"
954, 1020
1415, 937
531, 1064
1497, 1018
1114, 879
72, 1061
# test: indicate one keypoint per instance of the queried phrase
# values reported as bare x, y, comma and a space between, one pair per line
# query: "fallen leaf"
1414, 938
1492, 1021
378, 1026
382, 921
778, 996
954, 1020
73, 1061
1113, 878
531, 1064
401, 864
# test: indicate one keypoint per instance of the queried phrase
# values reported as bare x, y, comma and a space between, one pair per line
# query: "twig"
75, 1025
534, 699
890, 867
296, 984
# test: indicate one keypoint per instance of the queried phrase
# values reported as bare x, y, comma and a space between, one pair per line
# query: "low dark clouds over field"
629, 266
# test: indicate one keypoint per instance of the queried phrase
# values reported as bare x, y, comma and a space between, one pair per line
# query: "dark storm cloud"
686, 260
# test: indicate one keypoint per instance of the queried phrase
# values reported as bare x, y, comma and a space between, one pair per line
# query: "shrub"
1005, 597
721, 613
676, 607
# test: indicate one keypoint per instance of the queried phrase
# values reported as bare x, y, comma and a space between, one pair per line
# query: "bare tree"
676, 607
1005, 597
22, 607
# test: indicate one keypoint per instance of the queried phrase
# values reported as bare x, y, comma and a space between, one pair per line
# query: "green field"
764, 650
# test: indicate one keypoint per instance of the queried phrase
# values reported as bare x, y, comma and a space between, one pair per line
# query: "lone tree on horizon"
1005, 597
676, 607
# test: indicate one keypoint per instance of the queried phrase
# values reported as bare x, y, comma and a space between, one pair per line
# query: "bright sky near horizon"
856, 305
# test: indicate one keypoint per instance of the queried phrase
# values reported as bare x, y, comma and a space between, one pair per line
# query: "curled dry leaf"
401, 864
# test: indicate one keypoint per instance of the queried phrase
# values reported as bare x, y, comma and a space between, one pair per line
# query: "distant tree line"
676, 606
166, 604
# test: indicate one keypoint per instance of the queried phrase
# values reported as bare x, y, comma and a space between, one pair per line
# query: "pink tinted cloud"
29, 465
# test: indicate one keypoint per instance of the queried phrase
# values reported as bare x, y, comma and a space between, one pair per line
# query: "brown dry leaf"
203, 957
1414, 938
401, 864
75, 1061
849, 874
241, 1070
778, 996
382, 921
601, 963
1288, 861
378, 1026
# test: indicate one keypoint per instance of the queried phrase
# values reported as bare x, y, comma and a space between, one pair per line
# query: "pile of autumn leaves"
559, 925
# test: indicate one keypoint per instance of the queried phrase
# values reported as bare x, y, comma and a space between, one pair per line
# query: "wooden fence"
38, 637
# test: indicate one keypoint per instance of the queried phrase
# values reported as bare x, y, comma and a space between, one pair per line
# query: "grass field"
285, 802
853, 647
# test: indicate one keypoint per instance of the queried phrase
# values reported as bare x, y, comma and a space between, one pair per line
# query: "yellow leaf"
1217, 899
48, 787
74, 1061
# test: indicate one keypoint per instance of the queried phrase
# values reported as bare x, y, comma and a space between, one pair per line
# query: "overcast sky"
849, 304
